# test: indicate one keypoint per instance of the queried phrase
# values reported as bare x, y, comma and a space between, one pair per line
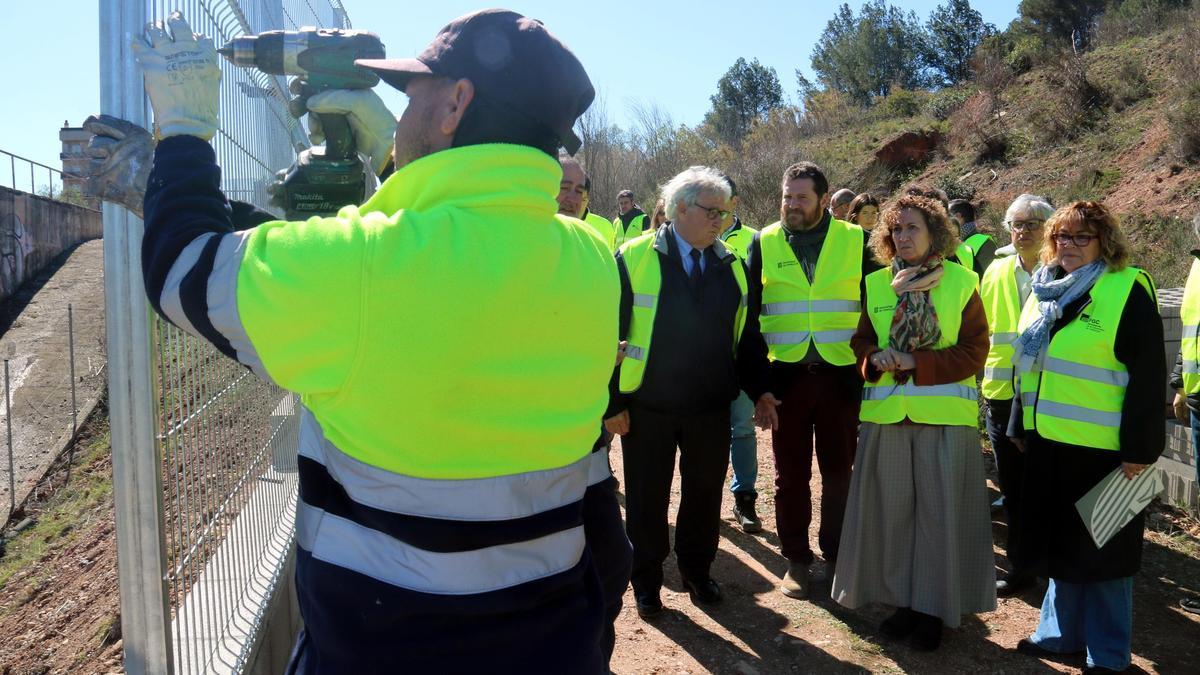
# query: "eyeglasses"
713, 213
1025, 225
1079, 240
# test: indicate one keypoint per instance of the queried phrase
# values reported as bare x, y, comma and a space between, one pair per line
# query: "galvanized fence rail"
204, 452
23, 174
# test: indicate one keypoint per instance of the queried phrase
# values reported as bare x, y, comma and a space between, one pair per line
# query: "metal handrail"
12, 162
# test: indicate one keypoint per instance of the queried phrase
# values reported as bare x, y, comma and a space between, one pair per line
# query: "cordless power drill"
322, 180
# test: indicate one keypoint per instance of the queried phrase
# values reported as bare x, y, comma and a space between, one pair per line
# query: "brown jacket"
953, 364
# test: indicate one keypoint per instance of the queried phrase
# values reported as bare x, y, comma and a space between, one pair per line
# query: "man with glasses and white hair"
1004, 289
692, 342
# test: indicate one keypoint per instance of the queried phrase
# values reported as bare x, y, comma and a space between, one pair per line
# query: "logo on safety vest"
787, 263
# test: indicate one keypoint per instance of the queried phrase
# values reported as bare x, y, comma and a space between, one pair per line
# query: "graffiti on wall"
16, 245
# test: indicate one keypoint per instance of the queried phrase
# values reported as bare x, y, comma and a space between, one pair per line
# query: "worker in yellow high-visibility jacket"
450, 340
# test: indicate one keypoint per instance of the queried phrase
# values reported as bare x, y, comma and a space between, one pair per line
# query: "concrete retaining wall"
35, 230
1177, 461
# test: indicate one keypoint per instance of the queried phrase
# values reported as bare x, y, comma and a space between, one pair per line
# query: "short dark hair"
962, 207
732, 185
486, 121
808, 170
625, 193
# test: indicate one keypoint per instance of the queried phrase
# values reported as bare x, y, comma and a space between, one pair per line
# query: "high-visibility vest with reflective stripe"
603, 227
1002, 303
738, 240
1078, 395
622, 234
885, 401
967, 250
1189, 346
642, 262
824, 313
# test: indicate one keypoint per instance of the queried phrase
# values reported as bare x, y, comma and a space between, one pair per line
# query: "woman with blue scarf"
1089, 401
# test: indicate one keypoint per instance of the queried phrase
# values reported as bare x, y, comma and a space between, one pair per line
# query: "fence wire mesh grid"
226, 441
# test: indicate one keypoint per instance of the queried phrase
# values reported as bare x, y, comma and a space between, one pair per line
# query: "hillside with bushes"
1074, 100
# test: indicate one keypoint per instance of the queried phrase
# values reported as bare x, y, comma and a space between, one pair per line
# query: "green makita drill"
322, 180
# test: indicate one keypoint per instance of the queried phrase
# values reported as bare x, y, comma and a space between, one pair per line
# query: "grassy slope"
1121, 153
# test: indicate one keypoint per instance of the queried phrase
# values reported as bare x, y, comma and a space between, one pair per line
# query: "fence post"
137, 476
12, 470
74, 406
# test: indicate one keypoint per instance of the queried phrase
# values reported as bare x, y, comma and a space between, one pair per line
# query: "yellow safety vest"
1002, 303
1189, 346
641, 257
886, 401
824, 313
601, 226
622, 234
1078, 395
968, 249
738, 240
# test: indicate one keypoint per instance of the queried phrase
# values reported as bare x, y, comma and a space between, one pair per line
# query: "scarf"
1029, 350
915, 323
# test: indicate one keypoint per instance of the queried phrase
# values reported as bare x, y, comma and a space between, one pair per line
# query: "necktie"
695, 275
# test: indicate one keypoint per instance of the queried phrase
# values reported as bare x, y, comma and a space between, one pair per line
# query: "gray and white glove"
373, 125
182, 78
121, 154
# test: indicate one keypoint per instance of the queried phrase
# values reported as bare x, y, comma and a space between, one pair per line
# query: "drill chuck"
323, 57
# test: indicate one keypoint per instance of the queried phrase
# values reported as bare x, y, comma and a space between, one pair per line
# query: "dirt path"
758, 630
34, 339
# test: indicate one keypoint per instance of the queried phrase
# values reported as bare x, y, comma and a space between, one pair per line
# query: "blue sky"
668, 53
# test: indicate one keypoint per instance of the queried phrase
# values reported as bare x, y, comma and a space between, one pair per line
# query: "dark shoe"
704, 591
795, 582
1013, 584
649, 606
1030, 648
899, 625
927, 635
1190, 605
744, 513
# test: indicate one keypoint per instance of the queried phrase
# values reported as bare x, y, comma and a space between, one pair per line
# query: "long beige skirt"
918, 530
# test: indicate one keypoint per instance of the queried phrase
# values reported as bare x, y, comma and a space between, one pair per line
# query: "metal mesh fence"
212, 538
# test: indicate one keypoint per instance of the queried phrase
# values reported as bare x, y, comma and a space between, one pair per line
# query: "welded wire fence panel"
224, 441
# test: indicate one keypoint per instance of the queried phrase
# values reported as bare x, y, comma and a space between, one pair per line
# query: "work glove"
373, 125
121, 154
182, 78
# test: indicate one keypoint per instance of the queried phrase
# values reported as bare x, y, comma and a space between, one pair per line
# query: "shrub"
943, 103
954, 188
1072, 103
900, 104
1128, 83
1183, 121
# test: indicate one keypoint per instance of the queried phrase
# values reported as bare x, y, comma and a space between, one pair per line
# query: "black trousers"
648, 451
1010, 465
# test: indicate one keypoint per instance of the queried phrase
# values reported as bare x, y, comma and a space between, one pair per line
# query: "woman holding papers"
916, 534
1090, 369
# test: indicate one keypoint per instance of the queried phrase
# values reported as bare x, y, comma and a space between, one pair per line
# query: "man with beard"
573, 193
451, 378
810, 267
631, 222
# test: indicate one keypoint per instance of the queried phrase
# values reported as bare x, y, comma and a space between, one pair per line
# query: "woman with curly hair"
1090, 368
917, 532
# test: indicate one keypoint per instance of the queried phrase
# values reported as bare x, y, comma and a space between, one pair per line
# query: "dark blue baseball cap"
511, 60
